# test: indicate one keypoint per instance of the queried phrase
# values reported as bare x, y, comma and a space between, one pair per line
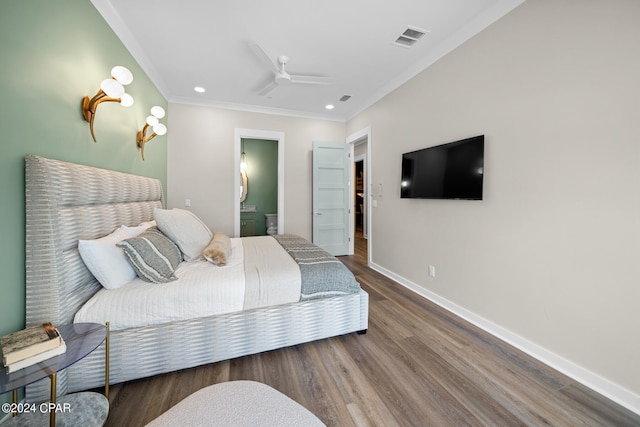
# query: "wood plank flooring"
418, 365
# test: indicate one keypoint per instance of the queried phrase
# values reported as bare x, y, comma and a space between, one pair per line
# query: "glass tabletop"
80, 339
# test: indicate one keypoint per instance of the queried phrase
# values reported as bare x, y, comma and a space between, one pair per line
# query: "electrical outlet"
432, 271
187, 202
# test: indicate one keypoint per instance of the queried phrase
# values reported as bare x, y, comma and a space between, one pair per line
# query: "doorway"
266, 137
259, 163
361, 203
359, 196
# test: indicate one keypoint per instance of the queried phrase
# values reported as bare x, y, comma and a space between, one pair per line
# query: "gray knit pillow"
152, 255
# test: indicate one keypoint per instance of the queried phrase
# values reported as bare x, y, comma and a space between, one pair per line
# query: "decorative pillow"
152, 255
217, 251
105, 261
185, 229
138, 229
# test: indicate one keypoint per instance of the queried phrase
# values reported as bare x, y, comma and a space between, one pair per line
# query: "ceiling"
181, 44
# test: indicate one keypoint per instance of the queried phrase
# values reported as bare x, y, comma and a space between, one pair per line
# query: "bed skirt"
152, 350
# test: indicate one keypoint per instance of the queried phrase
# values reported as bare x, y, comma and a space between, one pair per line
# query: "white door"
331, 196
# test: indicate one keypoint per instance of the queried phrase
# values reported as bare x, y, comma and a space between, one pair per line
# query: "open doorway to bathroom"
262, 210
259, 210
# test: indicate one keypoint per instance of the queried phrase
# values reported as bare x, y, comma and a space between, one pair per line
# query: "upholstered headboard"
66, 202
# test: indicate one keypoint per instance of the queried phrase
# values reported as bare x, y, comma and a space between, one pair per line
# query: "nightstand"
81, 409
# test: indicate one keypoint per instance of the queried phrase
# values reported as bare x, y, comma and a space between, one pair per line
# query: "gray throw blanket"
322, 274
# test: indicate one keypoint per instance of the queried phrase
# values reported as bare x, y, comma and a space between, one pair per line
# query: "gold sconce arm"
143, 139
153, 120
89, 107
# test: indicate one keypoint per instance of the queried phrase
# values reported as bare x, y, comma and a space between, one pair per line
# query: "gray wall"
551, 253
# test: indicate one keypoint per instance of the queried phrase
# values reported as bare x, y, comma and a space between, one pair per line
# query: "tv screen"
448, 171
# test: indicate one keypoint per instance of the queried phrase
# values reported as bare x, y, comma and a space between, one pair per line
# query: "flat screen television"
449, 171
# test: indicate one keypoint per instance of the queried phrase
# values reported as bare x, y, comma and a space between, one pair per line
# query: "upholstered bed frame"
66, 202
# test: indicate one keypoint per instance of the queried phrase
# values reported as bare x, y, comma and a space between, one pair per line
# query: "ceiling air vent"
410, 36
345, 98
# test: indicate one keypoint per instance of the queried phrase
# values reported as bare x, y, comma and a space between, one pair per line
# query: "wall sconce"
111, 90
157, 113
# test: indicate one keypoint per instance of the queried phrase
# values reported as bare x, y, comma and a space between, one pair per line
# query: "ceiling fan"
281, 77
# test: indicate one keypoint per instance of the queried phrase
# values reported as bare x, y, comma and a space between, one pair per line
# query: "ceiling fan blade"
268, 89
310, 80
262, 56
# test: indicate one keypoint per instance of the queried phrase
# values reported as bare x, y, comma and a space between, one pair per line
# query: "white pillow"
107, 262
138, 229
185, 229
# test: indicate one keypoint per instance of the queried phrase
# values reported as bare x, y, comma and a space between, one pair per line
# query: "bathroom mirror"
244, 185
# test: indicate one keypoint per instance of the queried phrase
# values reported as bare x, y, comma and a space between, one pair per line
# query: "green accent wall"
53, 54
262, 173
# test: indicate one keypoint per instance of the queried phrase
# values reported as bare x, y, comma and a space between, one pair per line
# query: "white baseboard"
601, 385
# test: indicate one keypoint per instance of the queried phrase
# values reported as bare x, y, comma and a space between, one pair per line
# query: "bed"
67, 202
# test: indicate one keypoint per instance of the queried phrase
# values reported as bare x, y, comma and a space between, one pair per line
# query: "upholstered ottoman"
237, 403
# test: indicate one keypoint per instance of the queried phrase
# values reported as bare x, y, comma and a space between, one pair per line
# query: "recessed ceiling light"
199, 89
329, 107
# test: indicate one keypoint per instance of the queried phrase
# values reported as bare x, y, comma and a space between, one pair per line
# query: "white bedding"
202, 289
271, 276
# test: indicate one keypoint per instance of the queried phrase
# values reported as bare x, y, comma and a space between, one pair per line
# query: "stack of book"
30, 346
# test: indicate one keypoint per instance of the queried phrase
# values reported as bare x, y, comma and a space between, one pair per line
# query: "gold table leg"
52, 413
106, 365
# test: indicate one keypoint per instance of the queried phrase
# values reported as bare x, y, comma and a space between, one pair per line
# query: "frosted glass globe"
160, 129
158, 111
122, 74
112, 88
126, 100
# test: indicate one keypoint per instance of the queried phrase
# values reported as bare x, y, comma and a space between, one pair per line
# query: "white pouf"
237, 403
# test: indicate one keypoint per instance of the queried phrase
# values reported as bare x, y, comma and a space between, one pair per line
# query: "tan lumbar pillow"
217, 251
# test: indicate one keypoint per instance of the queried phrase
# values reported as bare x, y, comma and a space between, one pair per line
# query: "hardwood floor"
418, 365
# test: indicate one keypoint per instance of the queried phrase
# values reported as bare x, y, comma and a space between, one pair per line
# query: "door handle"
318, 213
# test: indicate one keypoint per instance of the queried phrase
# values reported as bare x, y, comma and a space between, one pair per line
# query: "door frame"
353, 139
240, 134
